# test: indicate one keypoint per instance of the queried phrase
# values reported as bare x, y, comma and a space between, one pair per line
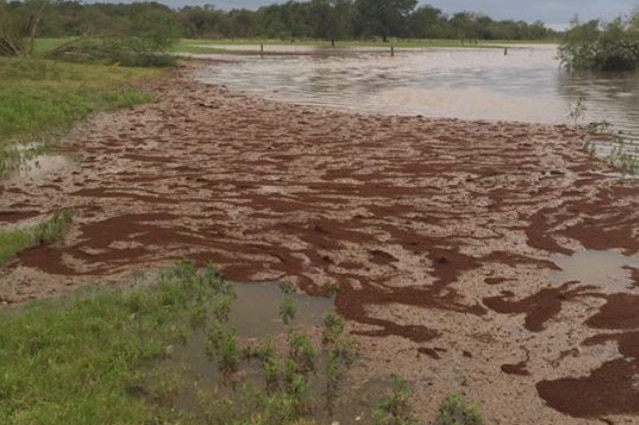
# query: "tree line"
314, 19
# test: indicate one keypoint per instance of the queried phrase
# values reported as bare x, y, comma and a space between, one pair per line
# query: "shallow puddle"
608, 270
256, 310
256, 317
42, 165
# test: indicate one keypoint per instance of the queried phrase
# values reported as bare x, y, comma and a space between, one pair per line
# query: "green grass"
13, 242
82, 360
40, 99
42, 46
200, 46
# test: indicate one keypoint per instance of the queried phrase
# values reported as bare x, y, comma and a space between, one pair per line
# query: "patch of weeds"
394, 410
54, 228
339, 351
288, 310
288, 287
456, 411
276, 385
621, 157
301, 353
13, 242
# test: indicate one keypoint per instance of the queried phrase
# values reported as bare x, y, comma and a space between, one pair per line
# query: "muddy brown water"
526, 85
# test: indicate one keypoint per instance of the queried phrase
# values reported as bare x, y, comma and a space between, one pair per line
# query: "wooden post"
262, 50
505, 51
392, 51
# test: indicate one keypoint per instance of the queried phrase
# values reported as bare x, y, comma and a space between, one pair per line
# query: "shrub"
602, 47
456, 411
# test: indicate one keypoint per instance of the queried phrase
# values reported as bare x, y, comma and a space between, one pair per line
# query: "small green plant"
333, 289
288, 287
338, 349
222, 310
288, 310
301, 352
394, 410
456, 411
577, 111
222, 345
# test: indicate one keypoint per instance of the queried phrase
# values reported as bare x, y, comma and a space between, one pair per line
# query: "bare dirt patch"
437, 232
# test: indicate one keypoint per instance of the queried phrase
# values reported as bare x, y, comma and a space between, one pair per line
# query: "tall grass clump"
15, 241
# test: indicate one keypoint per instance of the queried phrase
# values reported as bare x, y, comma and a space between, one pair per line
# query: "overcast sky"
552, 12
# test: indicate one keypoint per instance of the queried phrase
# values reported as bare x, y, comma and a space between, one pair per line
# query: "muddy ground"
440, 235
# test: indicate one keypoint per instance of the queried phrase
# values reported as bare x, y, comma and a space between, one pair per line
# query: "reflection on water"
525, 85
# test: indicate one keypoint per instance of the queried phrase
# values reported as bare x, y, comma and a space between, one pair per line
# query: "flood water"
610, 271
525, 85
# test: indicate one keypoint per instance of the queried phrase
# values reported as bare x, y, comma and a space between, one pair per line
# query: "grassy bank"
81, 361
40, 99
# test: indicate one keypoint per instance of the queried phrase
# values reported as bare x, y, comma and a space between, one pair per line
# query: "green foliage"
54, 228
602, 47
13, 242
319, 19
81, 360
385, 18
394, 410
456, 411
338, 348
288, 310
301, 352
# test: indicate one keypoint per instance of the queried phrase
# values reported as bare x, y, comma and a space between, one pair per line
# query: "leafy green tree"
427, 22
272, 22
333, 19
242, 23
198, 22
385, 17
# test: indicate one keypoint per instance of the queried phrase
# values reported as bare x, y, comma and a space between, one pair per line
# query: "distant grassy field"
200, 46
